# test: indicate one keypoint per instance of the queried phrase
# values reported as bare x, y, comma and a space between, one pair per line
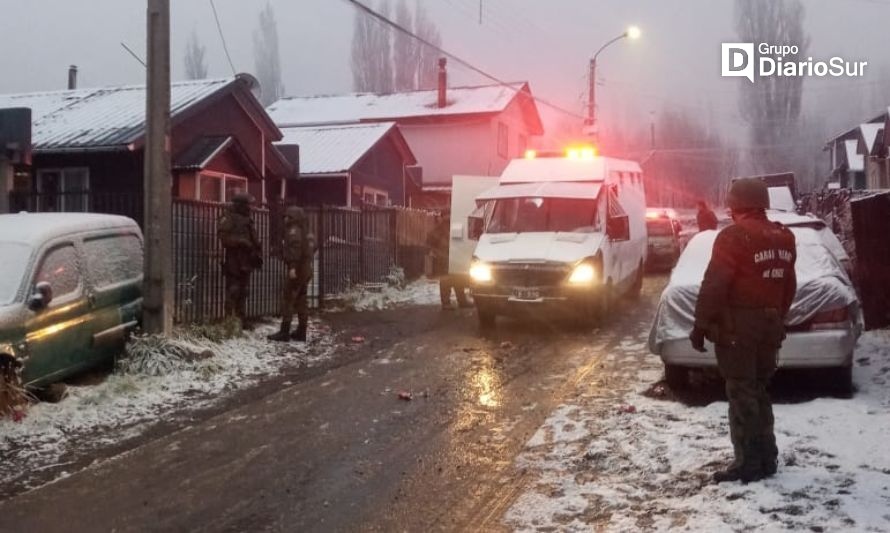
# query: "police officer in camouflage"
298, 252
243, 253
746, 292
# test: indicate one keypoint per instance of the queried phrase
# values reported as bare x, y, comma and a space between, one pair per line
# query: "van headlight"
480, 272
583, 274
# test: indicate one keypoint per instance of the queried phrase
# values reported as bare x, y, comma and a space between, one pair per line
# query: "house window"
63, 189
523, 145
503, 140
217, 187
375, 197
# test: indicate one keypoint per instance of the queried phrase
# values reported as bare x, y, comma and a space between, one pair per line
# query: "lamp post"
633, 33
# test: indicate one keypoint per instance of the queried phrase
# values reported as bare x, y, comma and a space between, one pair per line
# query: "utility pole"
591, 101
158, 285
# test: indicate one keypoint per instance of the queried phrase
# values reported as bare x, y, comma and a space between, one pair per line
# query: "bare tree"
772, 104
428, 57
405, 51
267, 61
195, 64
386, 60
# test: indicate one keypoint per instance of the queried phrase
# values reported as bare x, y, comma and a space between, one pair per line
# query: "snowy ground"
124, 405
375, 298
646, 463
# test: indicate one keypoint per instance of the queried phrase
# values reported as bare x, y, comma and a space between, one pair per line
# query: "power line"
223, 38
466, 64
132, 53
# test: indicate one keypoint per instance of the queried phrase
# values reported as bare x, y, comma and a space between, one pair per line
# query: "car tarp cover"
822, 284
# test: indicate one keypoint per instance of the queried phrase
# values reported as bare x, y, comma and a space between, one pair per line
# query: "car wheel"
676, 376
487, 318
53, 393
841, 379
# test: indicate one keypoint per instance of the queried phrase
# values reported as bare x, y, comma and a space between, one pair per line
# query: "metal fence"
355, 246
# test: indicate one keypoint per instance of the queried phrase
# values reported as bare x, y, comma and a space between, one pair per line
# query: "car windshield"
15, 259
523, 215
659, 228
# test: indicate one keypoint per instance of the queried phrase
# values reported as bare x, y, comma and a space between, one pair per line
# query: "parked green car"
70, 291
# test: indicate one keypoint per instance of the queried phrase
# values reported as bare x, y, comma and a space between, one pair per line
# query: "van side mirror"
41, 297
475, 227
618, 228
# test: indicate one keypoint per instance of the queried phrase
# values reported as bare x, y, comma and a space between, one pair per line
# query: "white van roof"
36, 228
564, 169
588, 191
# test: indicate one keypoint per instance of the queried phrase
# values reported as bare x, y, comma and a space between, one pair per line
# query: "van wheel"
677, 377
637, 287
602, 304
487, 318
840, 379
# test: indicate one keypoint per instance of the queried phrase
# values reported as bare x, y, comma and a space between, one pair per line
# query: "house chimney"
72, 77
443, 82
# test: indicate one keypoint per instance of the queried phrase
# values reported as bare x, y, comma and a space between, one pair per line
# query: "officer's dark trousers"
448, 282
236, 294
747, 361
295, 298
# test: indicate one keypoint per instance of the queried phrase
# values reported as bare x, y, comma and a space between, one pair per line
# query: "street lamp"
633, 33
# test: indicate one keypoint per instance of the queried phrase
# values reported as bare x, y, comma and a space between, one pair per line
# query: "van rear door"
464, 190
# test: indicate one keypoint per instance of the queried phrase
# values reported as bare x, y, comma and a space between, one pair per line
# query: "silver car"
822, 327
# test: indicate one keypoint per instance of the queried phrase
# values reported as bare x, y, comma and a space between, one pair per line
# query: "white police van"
563, 234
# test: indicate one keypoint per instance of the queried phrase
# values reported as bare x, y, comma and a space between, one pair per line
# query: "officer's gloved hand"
697, 337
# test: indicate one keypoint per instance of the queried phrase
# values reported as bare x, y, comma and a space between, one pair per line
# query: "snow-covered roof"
99, 118
337, 148
855, 160
870, 134
357, 107
36, 228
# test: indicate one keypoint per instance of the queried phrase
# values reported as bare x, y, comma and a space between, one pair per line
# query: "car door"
58, 336
114, 275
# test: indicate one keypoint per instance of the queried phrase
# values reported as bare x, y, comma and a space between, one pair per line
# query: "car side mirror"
618, 228
41, 297
475, 228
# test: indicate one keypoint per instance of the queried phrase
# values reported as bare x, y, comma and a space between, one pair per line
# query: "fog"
675, 65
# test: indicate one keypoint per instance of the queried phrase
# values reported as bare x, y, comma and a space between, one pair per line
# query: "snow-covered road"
646, 465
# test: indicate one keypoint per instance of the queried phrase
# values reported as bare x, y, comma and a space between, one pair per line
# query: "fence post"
361, 246
321, 239
394, 236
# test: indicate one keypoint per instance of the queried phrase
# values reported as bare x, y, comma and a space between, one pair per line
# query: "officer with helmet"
243, 253
745, 295
298, 252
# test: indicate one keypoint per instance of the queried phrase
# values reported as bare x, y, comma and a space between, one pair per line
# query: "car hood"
561, 247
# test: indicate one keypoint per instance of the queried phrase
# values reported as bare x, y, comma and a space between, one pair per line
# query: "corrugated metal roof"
334, 149
346, 108
97, 118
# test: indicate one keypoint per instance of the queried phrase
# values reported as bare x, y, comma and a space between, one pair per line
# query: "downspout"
349, 189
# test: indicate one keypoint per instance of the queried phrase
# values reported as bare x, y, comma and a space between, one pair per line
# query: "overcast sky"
675, 64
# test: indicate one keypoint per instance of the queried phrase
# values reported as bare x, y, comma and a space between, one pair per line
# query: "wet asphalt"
415, 428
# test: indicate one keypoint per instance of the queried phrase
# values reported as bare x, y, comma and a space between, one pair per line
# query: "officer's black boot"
283, 334
300, 333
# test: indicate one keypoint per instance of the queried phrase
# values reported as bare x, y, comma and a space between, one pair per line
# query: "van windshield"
523, 215
15, 260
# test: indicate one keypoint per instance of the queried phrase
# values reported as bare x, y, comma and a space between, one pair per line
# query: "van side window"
59, 268
114, 259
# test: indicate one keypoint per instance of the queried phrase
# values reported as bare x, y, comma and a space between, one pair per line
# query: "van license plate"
526, 294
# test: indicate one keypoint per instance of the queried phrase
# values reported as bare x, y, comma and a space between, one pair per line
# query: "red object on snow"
627, 409
18, 416
358, 339
405, 395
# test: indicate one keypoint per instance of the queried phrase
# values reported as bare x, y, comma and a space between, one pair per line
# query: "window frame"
63, 187
503, 140
224, 179
59, 299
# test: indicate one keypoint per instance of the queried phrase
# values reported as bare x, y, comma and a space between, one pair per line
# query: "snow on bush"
378, 297
162, 377
649, 469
